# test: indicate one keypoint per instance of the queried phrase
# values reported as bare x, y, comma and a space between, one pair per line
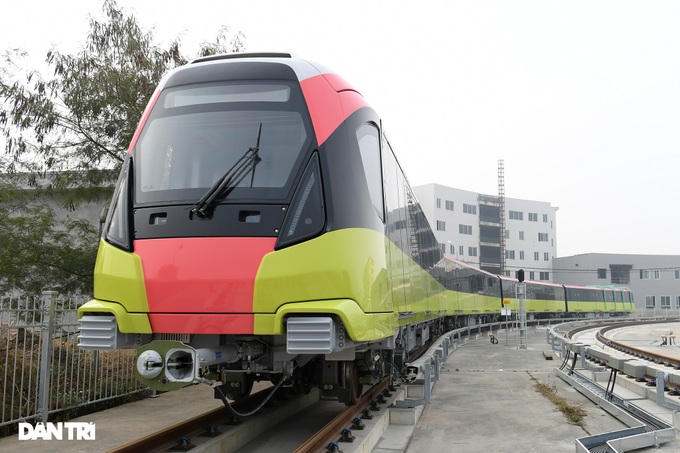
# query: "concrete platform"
487, 400
122, 424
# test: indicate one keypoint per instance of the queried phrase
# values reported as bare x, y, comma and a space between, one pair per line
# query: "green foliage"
83, 118
65, 139
39, 250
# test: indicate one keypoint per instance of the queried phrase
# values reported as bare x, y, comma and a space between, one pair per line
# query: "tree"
83, 118
40, 249
68, 134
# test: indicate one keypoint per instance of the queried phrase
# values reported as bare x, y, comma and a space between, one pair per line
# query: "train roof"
254, 65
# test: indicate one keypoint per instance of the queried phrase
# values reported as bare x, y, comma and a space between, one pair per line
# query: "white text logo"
55, 431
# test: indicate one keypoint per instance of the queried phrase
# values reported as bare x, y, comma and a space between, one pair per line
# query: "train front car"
243, 241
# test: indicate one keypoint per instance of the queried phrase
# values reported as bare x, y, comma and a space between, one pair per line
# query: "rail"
644, 428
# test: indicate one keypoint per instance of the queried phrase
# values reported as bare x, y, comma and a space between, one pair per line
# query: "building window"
461, 250
677, 301
507, 234
535, 256
677, 275
657, 275
516, 215
620, 273
449, 205
542, 237
602, 273
544, 276
521, 255
441, 225
452, 249
665, 301
521, 235
533, 217
546, 256
469, 208
545, 218
465, 229
650, 301
644, 274
531, 275
439, 203
472, 251
443, 247
509, 254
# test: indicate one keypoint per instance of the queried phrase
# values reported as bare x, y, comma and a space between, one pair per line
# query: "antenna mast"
501, 203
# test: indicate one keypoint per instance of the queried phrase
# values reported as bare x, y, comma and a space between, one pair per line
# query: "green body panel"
360, 326
471, 304
127, 322
356, 274
590, 307
537, 305
119, 277
412, 290
342, 264
118, 280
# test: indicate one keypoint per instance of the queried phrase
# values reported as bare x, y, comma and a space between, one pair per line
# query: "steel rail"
169, 437
659, 359
332, 432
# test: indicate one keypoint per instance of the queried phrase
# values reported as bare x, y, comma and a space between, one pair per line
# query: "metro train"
263, 229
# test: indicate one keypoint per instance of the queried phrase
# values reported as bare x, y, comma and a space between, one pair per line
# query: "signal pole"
521, 295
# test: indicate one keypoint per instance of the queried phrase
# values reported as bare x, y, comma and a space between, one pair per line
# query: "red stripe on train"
201, 275
330, 101
195, 323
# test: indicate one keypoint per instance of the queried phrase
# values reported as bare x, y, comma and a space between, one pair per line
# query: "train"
262, 228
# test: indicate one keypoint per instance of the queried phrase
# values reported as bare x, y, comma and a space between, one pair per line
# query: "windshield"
196, 133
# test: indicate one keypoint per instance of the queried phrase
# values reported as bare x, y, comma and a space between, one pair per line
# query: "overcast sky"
581, 99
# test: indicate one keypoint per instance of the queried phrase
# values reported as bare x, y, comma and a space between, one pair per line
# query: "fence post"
49, 301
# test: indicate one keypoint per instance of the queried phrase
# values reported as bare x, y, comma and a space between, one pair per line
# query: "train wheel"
349, 379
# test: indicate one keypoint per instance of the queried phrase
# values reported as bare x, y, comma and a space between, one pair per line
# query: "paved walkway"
487, 401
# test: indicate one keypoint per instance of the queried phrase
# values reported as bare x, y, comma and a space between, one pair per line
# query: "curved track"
662, 357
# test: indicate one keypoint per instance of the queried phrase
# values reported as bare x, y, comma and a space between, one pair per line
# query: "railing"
43, 373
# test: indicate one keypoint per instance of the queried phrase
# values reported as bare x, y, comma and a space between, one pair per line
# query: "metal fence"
43, 373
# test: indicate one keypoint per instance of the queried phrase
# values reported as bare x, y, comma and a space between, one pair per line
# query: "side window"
368, 137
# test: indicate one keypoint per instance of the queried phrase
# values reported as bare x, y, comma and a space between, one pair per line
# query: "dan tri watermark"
57, 431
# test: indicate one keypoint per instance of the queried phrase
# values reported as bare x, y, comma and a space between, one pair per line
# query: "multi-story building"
653, 279
468, 226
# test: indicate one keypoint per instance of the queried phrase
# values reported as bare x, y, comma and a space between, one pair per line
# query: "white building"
653, 279
468, 226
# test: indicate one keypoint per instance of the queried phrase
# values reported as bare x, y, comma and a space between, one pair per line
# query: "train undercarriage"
315, 352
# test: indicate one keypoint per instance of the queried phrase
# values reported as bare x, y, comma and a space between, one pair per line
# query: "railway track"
659, 358
641, 353
181, 434
218, 430
204, 432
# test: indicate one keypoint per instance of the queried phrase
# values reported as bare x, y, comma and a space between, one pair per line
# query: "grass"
575, 414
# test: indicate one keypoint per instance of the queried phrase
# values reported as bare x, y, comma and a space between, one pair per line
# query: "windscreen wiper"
203, 207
